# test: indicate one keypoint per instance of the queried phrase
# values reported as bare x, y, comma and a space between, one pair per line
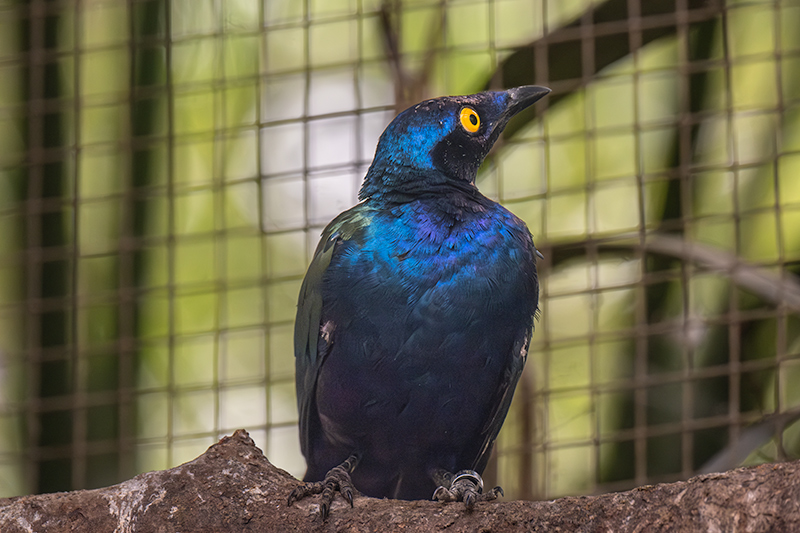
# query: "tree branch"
233, 487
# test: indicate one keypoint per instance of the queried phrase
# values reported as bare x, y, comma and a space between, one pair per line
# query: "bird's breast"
480, 250
450, 266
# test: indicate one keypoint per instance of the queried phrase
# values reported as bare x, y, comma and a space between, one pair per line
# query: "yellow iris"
470, 120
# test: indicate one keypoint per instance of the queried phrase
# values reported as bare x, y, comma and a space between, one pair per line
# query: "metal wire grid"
207, 247
553, 437
205, 255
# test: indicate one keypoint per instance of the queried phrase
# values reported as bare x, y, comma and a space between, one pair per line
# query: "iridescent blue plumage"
415, 316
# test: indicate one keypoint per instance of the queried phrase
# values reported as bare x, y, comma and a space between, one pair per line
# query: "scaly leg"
337, 479
466, 486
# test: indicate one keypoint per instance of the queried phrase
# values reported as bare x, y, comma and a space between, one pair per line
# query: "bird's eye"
470, 120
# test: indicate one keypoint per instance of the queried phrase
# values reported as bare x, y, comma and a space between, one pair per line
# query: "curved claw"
337, 479
347, 491
324, 509
466, 486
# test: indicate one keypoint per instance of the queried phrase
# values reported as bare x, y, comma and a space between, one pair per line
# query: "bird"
415, 315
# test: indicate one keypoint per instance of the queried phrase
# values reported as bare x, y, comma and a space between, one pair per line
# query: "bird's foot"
337, 479
466, 486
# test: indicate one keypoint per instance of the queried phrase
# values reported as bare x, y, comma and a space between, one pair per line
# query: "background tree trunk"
233, 487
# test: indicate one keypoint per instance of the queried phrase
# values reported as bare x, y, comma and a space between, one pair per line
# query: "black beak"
518, 99
522, 97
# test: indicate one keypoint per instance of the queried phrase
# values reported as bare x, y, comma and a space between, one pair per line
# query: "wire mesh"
167, 167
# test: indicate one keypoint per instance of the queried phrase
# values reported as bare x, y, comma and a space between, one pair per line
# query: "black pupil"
474, 119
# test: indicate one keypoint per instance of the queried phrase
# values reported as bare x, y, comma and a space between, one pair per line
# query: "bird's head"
442, 141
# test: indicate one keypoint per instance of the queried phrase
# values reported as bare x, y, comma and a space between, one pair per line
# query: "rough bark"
233, 487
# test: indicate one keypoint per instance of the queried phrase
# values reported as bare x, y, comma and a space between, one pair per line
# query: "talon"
347, 492
469, 499
439, 494
336, 480
324, 510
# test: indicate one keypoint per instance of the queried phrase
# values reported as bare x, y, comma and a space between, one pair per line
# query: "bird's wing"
502, 401
312, 341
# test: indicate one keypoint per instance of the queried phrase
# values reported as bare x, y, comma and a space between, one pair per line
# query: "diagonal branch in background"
771, 287
751, 439
774, 288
